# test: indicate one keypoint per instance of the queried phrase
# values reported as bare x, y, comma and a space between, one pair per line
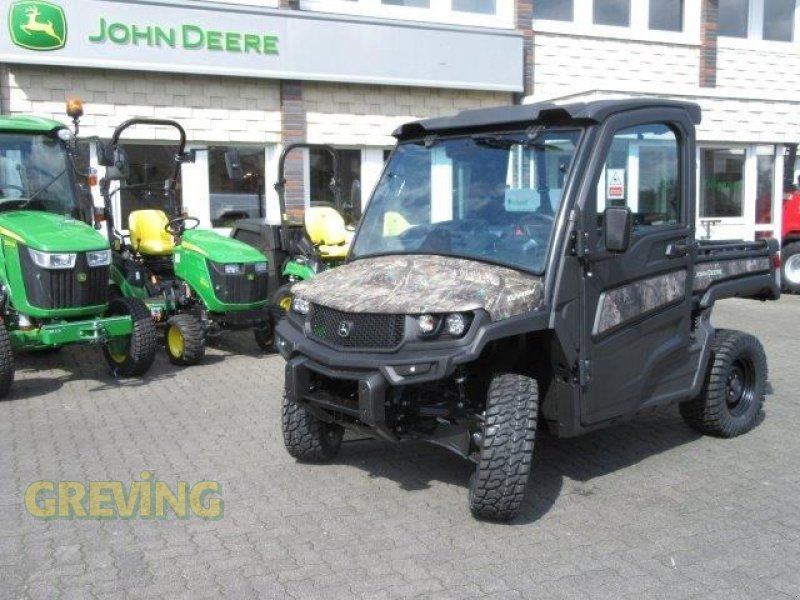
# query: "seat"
326, 228
147, 233
394, 224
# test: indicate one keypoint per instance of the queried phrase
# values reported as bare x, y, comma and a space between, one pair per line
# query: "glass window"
779, 20
234, 199
413, 3
556, 10
484, 7
150, 166
35, 174
764, 184
490, 197
733, 18
612, 12
642, 173
666, 15
349, 167
721, 182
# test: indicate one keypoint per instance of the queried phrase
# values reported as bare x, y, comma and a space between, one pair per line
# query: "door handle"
678, 249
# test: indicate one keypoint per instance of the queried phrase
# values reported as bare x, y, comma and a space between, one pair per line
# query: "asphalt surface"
646, 509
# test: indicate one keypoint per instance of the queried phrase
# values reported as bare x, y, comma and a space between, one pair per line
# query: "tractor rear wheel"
6, 362
131, 355
185, 340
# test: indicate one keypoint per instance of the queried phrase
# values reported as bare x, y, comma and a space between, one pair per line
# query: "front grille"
63, 288
364, 330
244, 288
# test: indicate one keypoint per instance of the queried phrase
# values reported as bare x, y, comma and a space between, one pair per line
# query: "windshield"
488, 197
34, 174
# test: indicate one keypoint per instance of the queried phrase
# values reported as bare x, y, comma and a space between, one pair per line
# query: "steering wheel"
179, 224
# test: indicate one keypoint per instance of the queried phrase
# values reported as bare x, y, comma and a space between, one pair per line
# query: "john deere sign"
212, 38
37, 25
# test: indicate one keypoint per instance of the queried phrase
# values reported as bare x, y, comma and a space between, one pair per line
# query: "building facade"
260, 74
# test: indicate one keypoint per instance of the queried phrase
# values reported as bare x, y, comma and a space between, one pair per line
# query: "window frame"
639, 30
440, 11
755, 32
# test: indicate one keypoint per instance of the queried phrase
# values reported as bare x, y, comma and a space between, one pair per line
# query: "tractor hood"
220, 249
414, 284
50, 232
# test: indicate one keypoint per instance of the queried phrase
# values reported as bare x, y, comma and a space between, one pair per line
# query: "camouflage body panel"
416, 284
710, 272
620, 305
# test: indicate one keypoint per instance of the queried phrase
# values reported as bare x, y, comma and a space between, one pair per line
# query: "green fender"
299, 270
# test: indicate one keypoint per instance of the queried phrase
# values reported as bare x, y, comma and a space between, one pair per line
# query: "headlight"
300, 305
427, 324
456, 324
65, 135
261, 267
99, 258
53, 260
233, 269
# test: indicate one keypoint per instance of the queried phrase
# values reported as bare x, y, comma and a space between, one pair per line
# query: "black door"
636, 333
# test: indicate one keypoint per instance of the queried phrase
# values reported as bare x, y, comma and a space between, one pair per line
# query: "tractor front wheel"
283, 298
6, 362
131, 355
185, 340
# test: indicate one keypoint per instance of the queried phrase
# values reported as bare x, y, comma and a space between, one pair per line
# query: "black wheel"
306, 437
282, 299
734, 390
6, 363
185, 340
790, 267
264, 336
131, 355
497, 486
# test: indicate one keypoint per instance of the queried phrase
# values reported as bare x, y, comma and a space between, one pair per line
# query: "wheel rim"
175, 342
118, 349
740, 388
285, 303
791, 269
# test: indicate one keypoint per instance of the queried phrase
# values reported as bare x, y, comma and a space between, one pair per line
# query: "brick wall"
362, 115
708, 43
571, 64
212, 109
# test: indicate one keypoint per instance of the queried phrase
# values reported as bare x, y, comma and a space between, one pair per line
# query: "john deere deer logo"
37, 25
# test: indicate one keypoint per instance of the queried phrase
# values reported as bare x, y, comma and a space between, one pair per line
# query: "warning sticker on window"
615, 184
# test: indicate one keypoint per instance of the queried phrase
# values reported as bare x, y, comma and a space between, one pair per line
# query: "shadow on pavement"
415, 465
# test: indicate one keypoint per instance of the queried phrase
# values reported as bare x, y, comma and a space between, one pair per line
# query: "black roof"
542, 112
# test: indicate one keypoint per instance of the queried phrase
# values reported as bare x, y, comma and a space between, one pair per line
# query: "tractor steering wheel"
179, 225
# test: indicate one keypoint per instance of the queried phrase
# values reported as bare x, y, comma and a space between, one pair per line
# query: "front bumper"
95, 331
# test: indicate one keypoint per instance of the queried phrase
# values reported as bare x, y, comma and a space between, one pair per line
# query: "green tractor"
198, 281
299, 249
54, 267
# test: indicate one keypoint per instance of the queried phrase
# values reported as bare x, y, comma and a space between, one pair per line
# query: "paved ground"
646, 509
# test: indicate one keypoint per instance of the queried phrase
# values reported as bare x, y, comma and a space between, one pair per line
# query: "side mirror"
120, 168
233, 165
104, 155
618, 224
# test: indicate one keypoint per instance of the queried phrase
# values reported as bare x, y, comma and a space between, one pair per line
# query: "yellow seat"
326, 228
394, 224
147, 233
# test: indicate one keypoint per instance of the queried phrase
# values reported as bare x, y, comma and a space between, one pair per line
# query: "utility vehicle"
544, 273
53, 266
297, 250
200, 282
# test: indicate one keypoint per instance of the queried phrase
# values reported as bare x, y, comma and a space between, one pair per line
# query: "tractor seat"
326, 228
147, 233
